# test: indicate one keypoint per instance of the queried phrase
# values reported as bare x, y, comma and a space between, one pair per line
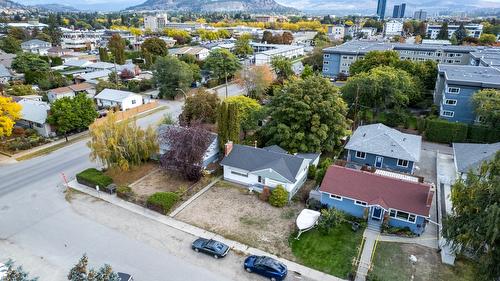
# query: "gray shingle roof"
4, 72
253, 159
381, 140
470, 156
114, 95
275, 148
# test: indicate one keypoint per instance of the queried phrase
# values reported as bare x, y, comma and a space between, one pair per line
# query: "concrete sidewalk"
366, 254
196, 231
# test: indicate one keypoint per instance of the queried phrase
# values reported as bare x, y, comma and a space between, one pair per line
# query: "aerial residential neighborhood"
249, 140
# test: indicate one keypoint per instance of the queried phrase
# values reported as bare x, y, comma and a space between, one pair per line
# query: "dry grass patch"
135, 173
231, 211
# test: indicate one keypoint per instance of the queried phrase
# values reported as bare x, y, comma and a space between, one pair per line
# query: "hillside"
255, 6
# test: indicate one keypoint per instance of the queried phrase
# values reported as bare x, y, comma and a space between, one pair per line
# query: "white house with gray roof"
382, 147
264, 167
123, 99
34, 115
470, 156
36, 46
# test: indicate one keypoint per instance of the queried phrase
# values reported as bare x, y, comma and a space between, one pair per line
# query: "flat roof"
486, 77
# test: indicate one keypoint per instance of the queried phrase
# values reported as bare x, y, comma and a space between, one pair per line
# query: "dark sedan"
210, 247
125, 277
266, 266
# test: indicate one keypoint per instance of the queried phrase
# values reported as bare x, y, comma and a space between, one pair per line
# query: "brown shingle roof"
377, 189
81, 87
61, 90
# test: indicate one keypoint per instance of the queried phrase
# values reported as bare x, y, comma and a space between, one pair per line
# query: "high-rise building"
381, 8
395, 12
402, 9
155, 23
420, 15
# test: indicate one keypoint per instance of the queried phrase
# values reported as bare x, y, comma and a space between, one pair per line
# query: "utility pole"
355, 109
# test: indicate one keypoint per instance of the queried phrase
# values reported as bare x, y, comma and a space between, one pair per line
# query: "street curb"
199, 232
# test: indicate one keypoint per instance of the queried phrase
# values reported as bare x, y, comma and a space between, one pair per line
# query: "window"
360, 155
336, 197
360, 203
344, 57
327, 56
325, 69
411, 218
239, 174
402, 163
447, 113
450, 102
402, 215
453, 90
134, 101
325, 62
392, 213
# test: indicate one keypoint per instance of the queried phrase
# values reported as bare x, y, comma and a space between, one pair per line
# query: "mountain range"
214, 6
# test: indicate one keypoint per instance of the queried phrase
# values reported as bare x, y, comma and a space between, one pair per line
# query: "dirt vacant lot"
232, 212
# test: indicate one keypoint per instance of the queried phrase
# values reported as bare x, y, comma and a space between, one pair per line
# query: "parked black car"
266, 266
210, 247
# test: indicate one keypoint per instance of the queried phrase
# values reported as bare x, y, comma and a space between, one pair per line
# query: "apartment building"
338, 59
155, 23
473, 30
393, 28
81, 39
336, 32
455, 86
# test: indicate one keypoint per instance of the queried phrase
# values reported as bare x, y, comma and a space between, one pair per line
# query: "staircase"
374, 225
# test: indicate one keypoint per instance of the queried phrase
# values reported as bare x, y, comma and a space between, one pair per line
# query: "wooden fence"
123, 115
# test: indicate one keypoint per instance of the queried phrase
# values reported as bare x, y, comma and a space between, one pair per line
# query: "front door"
377, 213
378, 161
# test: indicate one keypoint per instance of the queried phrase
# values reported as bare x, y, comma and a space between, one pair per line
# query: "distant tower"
381, 8
420, 15
395, 12
402, 9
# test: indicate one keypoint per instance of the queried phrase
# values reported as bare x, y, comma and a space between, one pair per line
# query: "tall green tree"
172, 75
71, 114
200, 107
10, 45
487, 106
443, 32
53, 31
25, 62
242, 46
282, 67
103, 54
307, 116
152, 48
474, 225
117, 47
374, 59
222, 64
236, 115
461, 33
381, 88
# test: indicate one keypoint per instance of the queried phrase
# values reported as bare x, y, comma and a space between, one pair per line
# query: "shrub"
278, 197
264, 195
311, 174
124, 192
445, 132
162, 201
329, 219
93, 177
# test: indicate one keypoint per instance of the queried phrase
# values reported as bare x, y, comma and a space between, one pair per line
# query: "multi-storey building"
336, 32
155, 23
393, 28
381, 4
399, 11
420, 15
455, 86
473, 30
81, 39
338, 59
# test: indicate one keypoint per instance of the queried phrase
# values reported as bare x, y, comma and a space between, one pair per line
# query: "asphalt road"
46, 234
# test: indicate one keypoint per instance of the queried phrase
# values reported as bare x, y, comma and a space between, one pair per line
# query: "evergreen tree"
117, 47
460, 34
443, 32
103, 54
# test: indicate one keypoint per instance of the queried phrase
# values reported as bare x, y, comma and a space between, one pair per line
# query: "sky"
329, 6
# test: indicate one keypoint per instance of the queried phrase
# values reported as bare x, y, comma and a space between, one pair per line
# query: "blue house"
377, 198
455, 86
379, 146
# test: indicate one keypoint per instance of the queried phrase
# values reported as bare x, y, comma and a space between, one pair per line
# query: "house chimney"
228, 147
430, 195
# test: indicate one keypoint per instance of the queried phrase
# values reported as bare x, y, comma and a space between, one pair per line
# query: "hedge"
443, 131
93, 177
124, 192
162, 201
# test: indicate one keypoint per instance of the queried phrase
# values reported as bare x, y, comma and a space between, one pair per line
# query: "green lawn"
332, 254
391, 263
